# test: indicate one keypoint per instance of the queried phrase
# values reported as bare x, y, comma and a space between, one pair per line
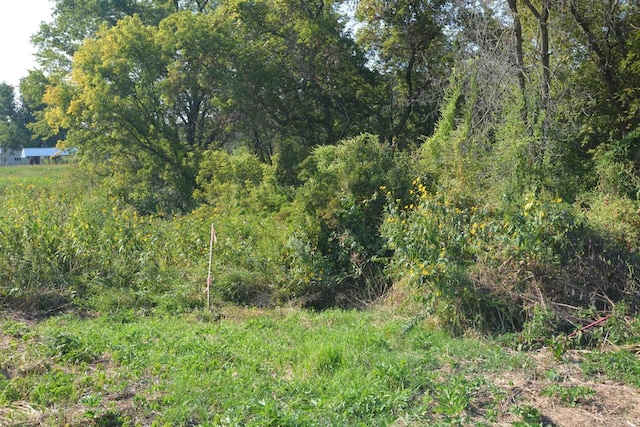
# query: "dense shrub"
74, 246
239, 180
335, 240
478, 264
319, 247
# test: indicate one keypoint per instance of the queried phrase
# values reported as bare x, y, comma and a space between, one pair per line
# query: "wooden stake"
213, 240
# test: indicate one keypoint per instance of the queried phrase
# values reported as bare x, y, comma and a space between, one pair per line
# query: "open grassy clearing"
34, 174
295, 367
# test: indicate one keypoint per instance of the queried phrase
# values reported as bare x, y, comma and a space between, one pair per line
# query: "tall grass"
34, 174
65, 244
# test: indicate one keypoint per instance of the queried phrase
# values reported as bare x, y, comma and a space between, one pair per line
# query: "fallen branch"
590, 325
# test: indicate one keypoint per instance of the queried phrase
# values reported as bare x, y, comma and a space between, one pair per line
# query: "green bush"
475, 263
617, 167
613, 216
313, 247
336, 216
238, 180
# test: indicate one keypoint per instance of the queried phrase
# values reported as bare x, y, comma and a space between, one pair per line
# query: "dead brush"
586, 288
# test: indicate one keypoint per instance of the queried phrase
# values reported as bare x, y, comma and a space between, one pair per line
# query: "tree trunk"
517, 31
542, 16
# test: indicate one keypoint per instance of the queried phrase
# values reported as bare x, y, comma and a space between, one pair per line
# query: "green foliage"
571, 395
249, 264
62, 249
146, 97
337, 213
281, 367
328, 360
614, 217
150, 108
238, 182
489, 234
620, 365
321, 243
32, 90
56, 386
531, 417
444, 241
303, 81
453, 397
616, 166
155, 101
13, 133
541, 324
408, 45
69, 348
611, 207
441, 154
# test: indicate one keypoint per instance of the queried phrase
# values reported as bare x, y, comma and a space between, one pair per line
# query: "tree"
302, 82
7, 102
406, 42
199, 57
74, 21
32, 90
142, 104
607, 31
13, 134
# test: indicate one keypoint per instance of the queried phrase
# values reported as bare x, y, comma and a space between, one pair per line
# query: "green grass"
34, 174
256, 368
285, 367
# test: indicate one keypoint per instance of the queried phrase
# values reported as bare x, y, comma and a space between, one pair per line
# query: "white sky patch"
19, 20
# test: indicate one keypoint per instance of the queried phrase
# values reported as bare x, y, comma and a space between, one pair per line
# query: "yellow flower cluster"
421, 189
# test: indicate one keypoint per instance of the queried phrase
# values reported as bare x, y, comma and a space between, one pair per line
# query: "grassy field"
33, 174
289, 367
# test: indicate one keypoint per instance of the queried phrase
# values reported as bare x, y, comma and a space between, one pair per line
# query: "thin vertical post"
213, 240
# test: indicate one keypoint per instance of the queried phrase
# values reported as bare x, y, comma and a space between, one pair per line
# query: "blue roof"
43, 152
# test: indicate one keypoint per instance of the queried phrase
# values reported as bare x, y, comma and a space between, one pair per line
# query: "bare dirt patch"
612, 403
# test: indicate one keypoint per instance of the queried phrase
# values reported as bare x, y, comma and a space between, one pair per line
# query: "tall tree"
406, 42
13, 133
146, 99
302, 81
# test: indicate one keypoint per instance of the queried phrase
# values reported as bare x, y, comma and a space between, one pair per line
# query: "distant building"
32, 156
10, 157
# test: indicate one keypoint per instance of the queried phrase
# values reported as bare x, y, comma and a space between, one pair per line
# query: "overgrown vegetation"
316, 244
358, 223
432, 149
437, 159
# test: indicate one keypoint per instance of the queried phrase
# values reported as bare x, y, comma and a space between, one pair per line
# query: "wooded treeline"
512, 125
155, 83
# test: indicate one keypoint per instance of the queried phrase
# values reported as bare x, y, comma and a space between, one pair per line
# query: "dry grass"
19, 414
612, 405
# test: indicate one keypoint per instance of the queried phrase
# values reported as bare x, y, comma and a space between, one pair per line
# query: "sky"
19, 20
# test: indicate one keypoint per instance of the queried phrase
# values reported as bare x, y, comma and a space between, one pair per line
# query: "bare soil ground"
612, 405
